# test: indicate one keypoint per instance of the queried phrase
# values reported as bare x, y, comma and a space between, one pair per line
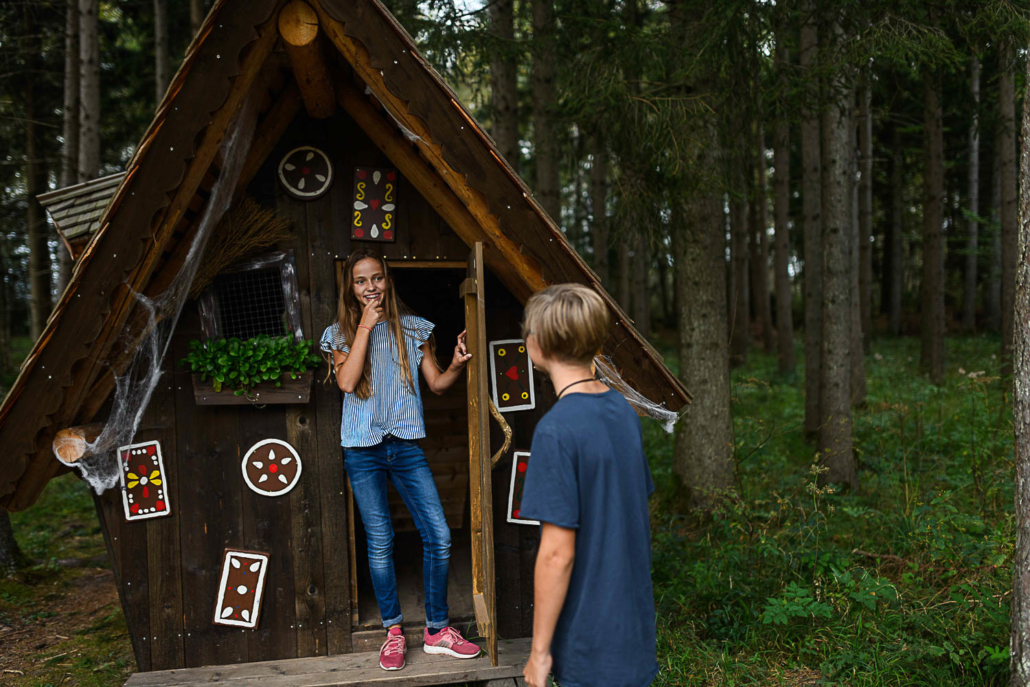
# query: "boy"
588, 484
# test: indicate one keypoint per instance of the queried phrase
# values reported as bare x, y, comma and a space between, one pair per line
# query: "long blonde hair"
349, 315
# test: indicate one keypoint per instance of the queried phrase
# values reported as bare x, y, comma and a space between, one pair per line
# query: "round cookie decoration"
306, 173
271, 467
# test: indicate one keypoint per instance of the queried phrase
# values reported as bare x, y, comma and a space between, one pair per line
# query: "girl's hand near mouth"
372, 312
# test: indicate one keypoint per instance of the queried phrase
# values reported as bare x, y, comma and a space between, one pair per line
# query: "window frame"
210, 307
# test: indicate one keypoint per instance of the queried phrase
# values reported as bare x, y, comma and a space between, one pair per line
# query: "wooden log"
298, 25
71, 444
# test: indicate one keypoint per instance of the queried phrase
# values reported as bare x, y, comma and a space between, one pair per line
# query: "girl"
378, 346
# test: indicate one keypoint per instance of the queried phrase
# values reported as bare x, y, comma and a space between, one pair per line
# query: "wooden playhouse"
340, 96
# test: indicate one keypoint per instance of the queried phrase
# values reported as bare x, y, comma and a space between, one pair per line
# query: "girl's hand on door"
461, 354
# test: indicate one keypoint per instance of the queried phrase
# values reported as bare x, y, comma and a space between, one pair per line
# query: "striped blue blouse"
391, 408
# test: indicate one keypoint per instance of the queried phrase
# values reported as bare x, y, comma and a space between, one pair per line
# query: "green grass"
20, 347
76, 631
904, 583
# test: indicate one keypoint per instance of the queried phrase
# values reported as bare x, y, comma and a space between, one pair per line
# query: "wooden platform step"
349, 669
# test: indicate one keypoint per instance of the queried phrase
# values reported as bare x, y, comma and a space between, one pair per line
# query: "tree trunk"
865, 216
932, 326
740, 334
811, 189
162, 58
1009, 219
544, 131
973, 204
504, 92
835, 442
625, 295
40, 300
858, 389
781, 213
89, 85
668, 316
994, 280
196, 15
70, 131
896, 245
5, 310
760, 244
704, 436
11, 557
1019, 646
598, 209
641, 295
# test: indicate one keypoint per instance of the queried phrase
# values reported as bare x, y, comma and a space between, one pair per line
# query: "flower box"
292, 391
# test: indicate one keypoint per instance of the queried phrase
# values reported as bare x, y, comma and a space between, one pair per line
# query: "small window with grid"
254, 298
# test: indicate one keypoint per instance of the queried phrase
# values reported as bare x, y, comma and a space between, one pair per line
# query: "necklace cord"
567, 386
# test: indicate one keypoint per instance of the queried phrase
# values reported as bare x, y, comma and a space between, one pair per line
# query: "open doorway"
432, 292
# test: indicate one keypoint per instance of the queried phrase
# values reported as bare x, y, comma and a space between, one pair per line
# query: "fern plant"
242, 365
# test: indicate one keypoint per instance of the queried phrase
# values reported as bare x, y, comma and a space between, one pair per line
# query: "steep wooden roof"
76, 210
68, 373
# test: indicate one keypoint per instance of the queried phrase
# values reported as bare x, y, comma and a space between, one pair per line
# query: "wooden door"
482, 525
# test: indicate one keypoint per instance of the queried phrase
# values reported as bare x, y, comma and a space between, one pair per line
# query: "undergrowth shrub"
904, 583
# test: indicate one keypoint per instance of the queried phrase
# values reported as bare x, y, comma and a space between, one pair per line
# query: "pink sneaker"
391, 655
448, 641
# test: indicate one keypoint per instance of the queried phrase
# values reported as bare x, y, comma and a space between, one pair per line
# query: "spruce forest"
812, 209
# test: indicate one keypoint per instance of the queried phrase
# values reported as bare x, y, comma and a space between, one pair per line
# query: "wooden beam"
70, 444
298, 25
503, 257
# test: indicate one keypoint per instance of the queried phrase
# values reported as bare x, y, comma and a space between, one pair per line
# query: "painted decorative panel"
511, 373
374, 210
240, 588
142, 478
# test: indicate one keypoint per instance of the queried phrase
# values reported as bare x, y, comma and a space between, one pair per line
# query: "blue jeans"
403, 463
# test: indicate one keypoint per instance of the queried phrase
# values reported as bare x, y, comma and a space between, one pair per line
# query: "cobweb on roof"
99, 465
607, 374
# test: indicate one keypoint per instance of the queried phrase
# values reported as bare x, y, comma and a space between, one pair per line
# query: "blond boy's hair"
570, 322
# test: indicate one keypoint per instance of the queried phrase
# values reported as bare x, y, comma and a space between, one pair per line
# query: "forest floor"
904, 583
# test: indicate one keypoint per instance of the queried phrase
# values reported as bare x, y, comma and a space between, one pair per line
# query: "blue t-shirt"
587, 472
391, 408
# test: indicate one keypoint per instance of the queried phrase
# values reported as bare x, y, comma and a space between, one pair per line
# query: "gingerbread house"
235, 543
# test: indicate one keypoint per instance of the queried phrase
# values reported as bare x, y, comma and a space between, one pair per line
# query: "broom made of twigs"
246, 230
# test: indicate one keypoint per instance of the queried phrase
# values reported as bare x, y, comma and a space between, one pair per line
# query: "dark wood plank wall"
168, 568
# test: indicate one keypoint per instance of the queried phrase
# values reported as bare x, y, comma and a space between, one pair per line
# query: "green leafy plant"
241, 365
